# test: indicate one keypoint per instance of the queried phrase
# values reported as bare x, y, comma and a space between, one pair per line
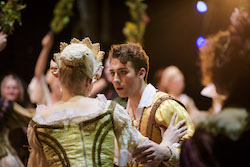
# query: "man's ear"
142, 73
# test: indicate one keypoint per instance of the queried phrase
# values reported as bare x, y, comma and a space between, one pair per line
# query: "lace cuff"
175, 156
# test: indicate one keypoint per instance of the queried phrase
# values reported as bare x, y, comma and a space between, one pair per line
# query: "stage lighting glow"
201, 6
200, 42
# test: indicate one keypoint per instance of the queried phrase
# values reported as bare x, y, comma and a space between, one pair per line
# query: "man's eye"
123, 72
112, 73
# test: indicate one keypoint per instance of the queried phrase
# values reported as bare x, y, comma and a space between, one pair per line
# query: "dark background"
169, 39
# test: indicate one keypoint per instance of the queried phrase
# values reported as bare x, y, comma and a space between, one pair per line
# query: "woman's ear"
89, 86
88, 82
142, 73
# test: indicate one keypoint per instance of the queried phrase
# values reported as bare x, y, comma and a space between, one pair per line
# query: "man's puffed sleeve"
165, 112
163, 116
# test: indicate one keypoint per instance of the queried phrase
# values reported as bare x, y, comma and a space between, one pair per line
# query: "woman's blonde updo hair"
77, 60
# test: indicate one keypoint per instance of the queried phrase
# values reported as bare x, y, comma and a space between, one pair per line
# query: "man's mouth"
119, 89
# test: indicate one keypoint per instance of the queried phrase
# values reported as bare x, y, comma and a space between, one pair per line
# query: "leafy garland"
244, 5
62, 14
10, 13
134, 30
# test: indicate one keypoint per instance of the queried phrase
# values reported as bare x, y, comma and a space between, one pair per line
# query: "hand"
48, 40
3, 41
151, 154
173, 133
5, 106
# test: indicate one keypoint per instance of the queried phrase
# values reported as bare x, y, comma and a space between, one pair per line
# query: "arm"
47, 43
38, 88
152, 154
162, 117
27, 112
98, 86
15, 115
128, 138
3, 41
37, 157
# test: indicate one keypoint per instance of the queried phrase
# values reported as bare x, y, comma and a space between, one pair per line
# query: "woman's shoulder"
231, 122
77, 108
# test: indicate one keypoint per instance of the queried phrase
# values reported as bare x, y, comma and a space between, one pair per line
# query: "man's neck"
136, 97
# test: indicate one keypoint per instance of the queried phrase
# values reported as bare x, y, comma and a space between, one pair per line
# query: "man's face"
124, 78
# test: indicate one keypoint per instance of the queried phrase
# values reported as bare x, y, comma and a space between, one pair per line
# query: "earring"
89, 92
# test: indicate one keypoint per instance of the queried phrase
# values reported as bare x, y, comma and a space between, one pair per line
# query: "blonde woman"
13, 119
172, 81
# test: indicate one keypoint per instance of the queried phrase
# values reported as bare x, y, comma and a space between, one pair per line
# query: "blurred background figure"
44, 89
171, 80
3, 41
217, 100
105, 86
221, 140
15, 113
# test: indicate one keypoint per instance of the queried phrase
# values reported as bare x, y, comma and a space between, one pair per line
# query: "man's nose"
116, 78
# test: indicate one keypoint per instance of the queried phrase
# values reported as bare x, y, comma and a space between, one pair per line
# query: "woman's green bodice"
89, 143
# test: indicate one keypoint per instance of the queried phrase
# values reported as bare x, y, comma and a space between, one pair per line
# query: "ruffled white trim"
102, 98
38, 91
77, 109
176, 145
209, 91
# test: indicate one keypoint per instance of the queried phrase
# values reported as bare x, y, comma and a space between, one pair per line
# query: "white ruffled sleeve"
38, 91
128, 137
37, 157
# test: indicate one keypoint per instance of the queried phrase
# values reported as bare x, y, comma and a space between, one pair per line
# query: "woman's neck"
55, 98
67, 94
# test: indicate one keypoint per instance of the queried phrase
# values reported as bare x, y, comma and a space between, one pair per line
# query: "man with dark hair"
149, 109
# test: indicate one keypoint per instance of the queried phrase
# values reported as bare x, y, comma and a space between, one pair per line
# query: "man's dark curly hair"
133, 53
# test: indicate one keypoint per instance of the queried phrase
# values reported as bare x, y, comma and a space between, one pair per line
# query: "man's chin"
122, 95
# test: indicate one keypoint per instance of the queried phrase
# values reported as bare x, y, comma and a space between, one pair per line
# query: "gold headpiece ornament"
82, 54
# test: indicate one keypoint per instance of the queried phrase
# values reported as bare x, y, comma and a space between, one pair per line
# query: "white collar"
145, 101
147, 96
